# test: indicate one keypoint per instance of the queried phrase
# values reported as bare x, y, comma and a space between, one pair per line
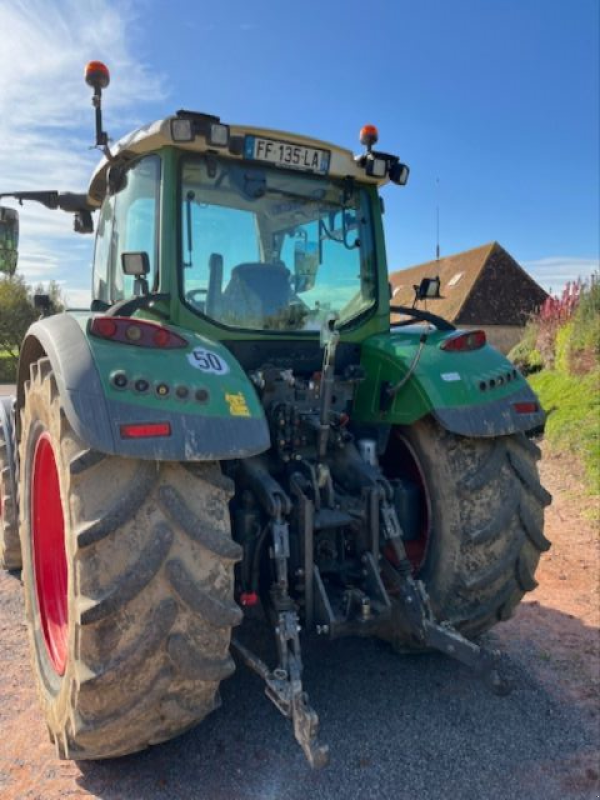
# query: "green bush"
563, 347
525, 355
8, 369
585, 337
567, 346
573, 406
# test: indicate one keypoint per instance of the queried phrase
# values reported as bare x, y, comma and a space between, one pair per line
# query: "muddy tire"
10, 546
128, 576
485, 517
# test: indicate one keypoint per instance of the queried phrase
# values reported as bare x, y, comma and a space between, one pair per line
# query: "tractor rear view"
234, 429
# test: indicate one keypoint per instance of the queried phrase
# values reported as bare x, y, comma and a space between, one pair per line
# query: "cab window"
128, 223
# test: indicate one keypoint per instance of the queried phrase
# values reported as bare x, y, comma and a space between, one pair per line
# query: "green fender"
473, 393
199, 393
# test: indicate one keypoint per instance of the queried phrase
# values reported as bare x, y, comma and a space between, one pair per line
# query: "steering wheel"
423, 316
196, 297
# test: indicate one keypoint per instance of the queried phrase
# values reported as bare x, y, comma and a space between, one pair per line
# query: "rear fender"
474, 393
226, 422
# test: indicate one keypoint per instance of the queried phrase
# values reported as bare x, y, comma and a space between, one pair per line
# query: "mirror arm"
65, 201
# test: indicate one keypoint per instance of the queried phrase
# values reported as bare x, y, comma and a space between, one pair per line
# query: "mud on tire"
486, 517
149, 591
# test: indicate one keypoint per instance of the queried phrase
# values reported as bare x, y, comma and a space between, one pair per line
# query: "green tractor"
235, 429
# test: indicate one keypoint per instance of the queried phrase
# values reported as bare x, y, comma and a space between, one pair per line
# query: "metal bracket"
284, 689
421, 623
284, 684
484, 663
390, 524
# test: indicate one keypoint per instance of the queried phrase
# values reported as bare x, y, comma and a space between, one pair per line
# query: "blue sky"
498, 99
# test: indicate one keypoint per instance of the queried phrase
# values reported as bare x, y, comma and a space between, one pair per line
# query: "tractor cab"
240, 231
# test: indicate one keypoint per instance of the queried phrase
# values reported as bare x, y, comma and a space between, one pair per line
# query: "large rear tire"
128, 576
10, 546
484, 509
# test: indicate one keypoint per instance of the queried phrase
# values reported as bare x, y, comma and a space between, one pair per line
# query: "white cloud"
47, 121
554, 272
77, 298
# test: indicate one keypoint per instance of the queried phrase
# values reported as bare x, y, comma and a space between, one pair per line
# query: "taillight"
137, 332
469, 340
145, 430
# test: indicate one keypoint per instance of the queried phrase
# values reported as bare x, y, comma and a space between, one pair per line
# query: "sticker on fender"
207, 361
238, 407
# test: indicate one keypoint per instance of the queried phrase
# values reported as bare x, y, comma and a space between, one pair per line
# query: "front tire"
485, 514
128, 577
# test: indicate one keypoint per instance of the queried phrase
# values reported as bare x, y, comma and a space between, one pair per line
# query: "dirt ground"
560, 620
554, 637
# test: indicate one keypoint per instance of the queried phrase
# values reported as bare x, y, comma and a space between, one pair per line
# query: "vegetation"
561, 354
17, 313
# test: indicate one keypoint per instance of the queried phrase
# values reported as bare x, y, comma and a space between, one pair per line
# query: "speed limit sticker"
207, 361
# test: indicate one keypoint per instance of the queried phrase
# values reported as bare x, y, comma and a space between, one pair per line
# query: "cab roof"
155, 135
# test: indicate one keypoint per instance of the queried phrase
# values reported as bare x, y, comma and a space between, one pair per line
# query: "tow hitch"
284, 684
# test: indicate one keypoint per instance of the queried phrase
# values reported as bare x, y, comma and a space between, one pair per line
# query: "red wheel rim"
49, 556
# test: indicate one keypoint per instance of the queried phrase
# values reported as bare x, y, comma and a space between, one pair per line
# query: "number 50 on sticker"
207, 361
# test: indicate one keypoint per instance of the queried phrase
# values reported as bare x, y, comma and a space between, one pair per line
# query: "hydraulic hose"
392, 391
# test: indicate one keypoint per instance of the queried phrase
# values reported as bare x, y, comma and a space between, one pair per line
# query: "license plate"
284, 154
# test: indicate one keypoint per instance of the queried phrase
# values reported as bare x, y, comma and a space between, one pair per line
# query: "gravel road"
398, 727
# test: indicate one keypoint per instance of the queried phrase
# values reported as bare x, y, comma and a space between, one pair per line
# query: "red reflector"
145, 430
526, 408
161, 338
248, 598
470, 340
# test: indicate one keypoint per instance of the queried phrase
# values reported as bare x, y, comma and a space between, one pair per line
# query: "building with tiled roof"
480, 288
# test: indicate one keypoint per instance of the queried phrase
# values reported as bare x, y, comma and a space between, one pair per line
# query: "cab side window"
128, 223
102, 251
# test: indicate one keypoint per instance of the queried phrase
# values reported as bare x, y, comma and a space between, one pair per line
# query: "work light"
182, 130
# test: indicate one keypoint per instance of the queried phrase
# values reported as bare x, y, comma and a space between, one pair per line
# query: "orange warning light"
97, 75
369, 135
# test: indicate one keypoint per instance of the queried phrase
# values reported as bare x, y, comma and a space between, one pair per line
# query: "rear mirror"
306, 264
9, 240
136, 264
428, 289
42, 304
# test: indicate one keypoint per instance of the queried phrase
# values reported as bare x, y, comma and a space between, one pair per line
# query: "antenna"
437, 215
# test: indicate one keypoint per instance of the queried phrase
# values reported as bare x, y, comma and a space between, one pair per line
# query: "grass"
573, 405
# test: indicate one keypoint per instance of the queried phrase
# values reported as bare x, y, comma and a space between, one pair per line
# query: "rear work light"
470, 340
136, 332
145, 430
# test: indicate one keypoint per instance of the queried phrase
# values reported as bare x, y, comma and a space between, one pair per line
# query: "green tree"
16, 315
